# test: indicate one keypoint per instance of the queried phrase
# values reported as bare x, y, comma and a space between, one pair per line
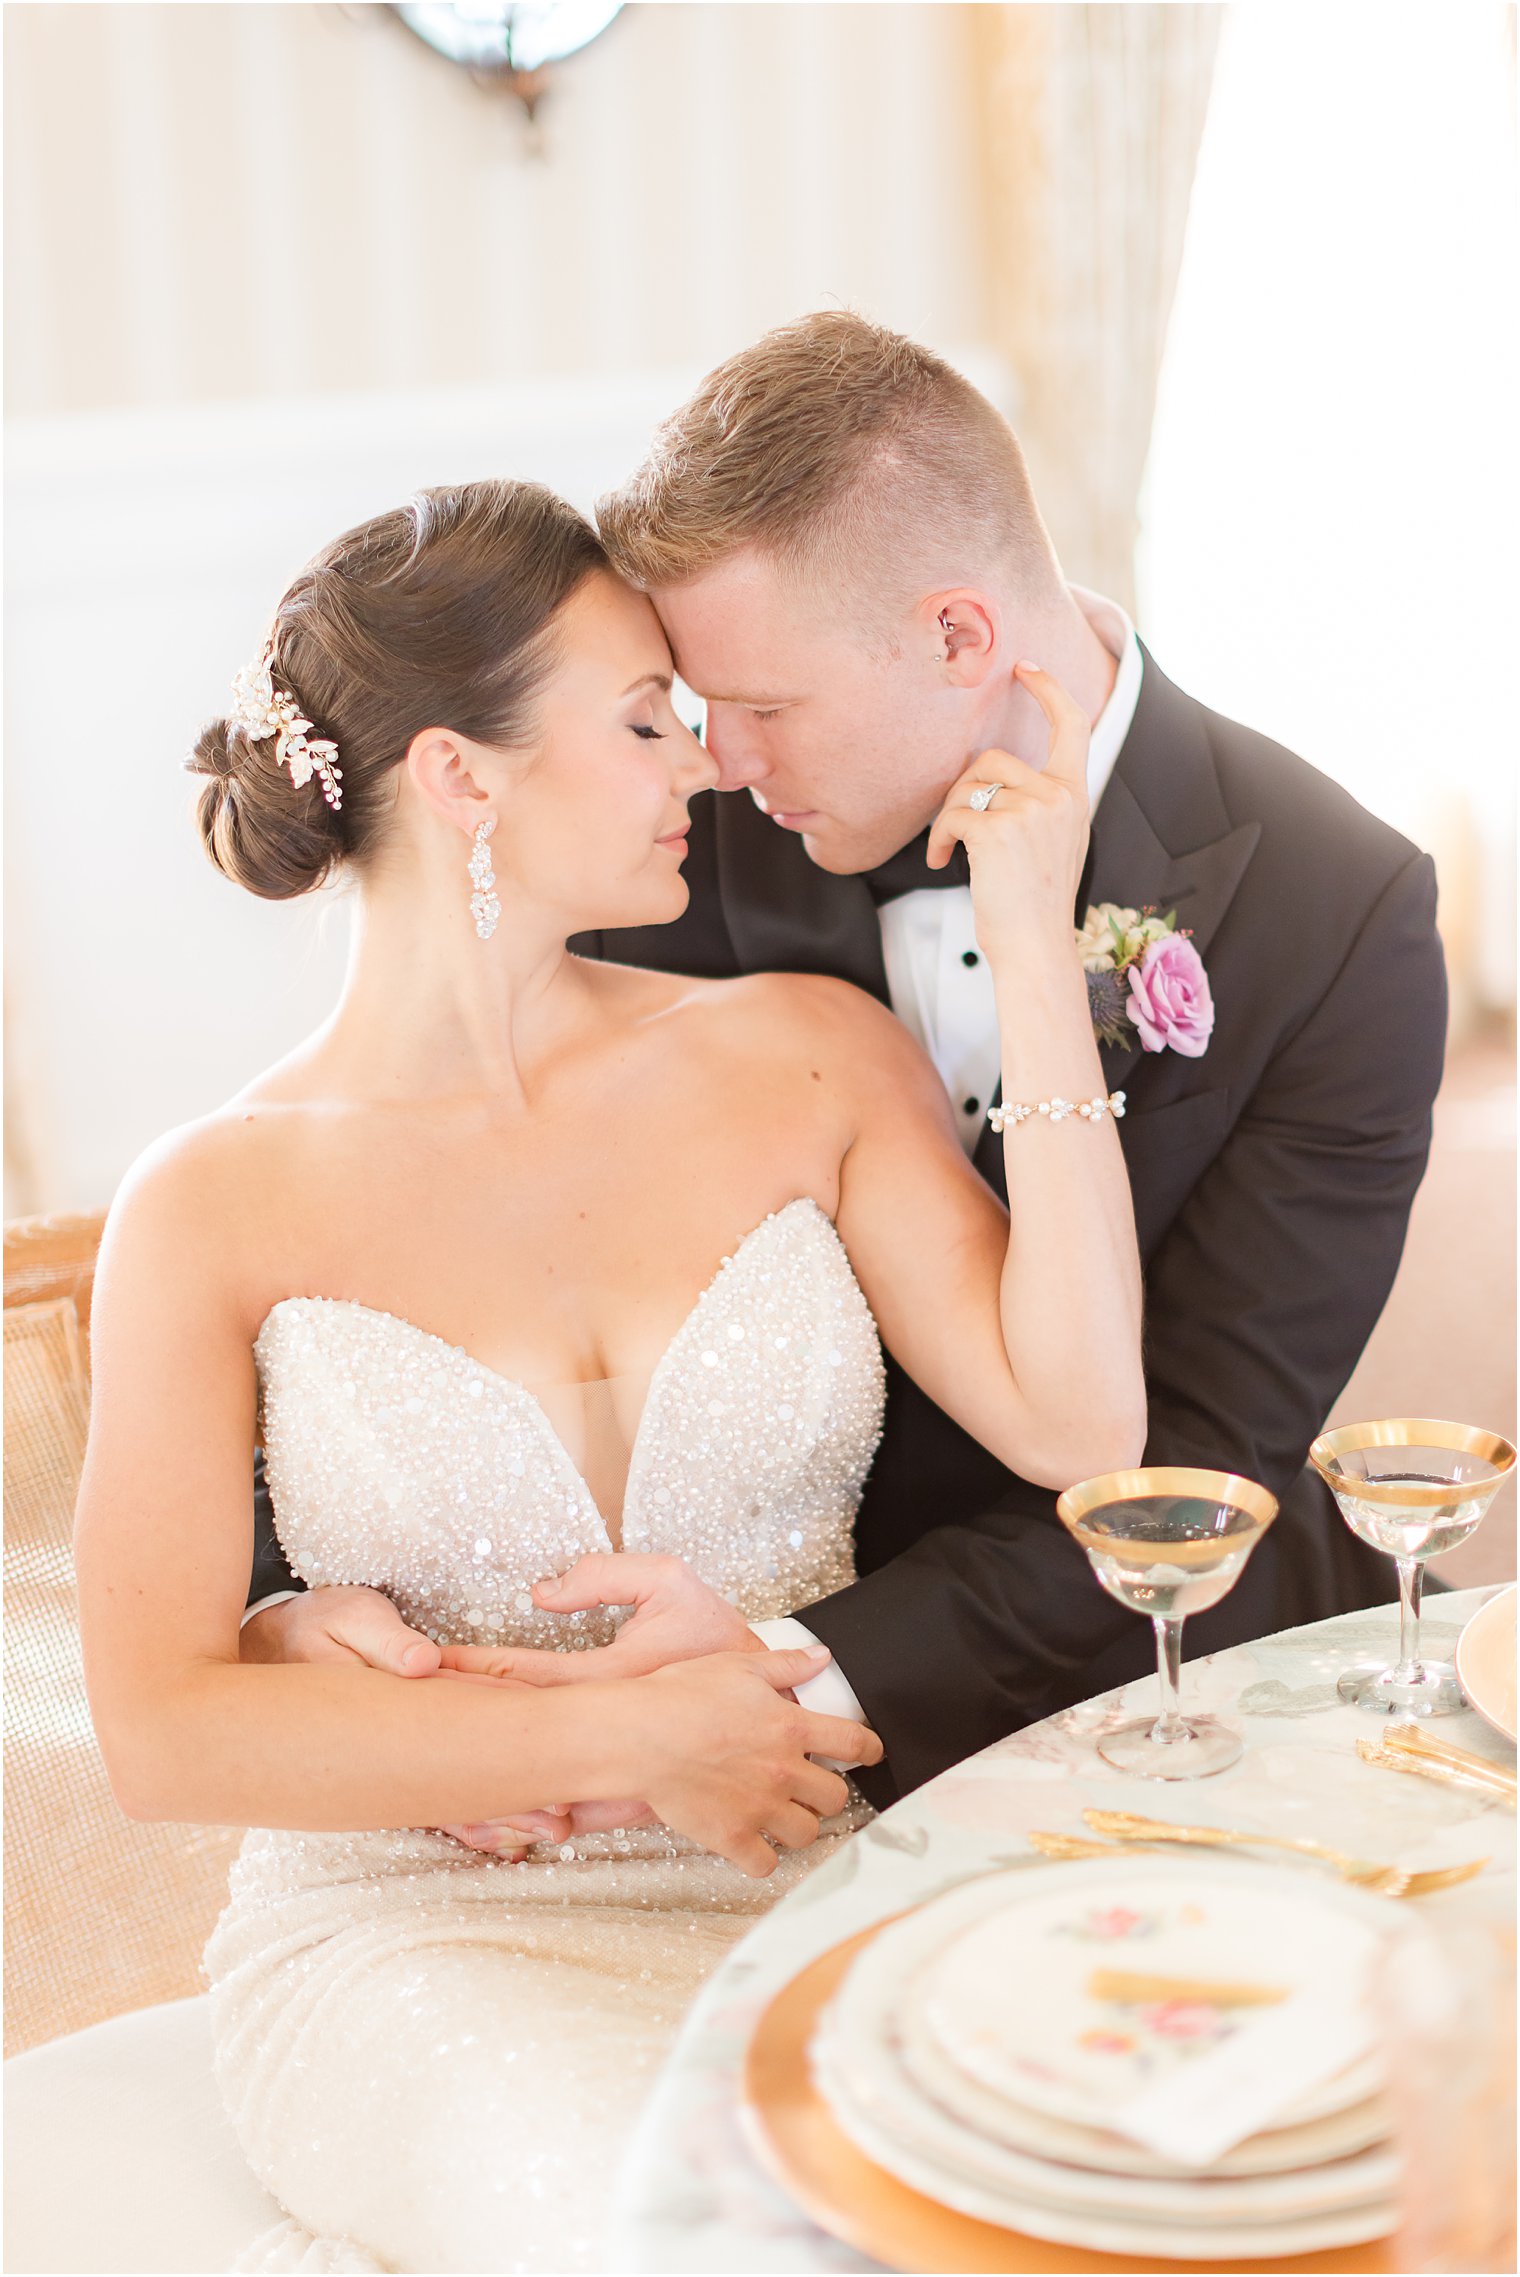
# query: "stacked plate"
1060, 2051
1486, 1663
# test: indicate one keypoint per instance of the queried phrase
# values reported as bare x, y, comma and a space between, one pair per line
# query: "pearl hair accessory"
1091, 1110
485, 907
261, 709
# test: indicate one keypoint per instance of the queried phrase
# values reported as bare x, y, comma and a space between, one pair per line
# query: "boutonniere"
1142, 974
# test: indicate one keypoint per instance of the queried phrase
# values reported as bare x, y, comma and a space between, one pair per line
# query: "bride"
522, 1258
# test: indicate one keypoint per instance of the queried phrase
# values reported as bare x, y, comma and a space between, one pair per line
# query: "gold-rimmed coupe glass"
1415, 1488
1168, 1542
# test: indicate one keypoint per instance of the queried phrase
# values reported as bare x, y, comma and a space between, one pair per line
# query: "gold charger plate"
799, 2141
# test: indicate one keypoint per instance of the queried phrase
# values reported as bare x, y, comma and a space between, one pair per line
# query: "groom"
840, 538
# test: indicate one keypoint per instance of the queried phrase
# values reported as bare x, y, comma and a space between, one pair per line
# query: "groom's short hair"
846, 454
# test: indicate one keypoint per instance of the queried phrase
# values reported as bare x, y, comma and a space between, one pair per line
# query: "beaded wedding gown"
433, 2058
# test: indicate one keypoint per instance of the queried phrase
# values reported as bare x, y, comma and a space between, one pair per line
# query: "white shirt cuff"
278, 1597
830, 1692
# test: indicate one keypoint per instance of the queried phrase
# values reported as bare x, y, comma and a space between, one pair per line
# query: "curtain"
1090, 121
1328, 544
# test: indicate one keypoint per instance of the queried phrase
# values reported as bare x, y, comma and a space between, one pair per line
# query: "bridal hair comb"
261, 710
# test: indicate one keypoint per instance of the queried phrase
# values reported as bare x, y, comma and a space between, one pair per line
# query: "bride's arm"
189, 1733
1025, 1325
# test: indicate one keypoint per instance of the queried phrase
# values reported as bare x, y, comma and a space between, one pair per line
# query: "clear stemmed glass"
1414, 1488
1168, 1543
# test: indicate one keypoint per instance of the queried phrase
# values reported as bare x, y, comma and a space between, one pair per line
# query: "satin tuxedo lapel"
785, 914
1164, 793
1135, 869
1162, 799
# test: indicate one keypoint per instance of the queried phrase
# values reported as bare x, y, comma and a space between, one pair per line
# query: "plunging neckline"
653, 1390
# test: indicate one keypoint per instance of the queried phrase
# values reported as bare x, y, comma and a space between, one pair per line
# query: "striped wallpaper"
211, 201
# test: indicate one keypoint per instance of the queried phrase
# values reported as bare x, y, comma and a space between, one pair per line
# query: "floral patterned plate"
1206, 2236
1333, 2188
885, 1988
1009, 1996
888, 2104
1278, 2149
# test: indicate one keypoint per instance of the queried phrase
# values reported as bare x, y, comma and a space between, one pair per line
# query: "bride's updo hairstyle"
437, 615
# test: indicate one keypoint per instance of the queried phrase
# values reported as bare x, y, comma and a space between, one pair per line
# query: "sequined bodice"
396, 1460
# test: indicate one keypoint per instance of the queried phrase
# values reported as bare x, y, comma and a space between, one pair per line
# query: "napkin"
1206, 2107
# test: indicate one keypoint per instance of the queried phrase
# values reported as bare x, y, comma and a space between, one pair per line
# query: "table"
691, 2196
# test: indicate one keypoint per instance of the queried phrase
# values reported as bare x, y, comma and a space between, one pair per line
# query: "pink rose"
1118, 1921
1183, 2019
1106, 2043
1169, 998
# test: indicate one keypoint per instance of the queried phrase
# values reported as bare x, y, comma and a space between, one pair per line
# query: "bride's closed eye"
651, 734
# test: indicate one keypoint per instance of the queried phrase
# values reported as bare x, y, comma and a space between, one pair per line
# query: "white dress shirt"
941, 990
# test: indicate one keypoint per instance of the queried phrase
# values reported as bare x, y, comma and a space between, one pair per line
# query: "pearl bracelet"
1091, 1110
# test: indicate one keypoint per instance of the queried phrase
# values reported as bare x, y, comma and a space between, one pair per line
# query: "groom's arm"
1259, 1301
271, 1579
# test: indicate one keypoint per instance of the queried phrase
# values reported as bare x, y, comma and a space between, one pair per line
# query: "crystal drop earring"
485, 908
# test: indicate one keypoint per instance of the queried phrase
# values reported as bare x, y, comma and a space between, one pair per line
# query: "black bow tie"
907, 872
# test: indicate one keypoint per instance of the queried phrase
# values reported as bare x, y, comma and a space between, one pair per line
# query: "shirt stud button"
970, 957
971, 1105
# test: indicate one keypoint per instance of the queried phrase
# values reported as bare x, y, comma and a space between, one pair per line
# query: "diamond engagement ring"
983, 796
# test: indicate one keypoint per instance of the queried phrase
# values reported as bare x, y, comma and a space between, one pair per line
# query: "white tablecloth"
692, 2197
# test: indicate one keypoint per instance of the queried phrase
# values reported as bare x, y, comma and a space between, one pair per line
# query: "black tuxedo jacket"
1272, 1182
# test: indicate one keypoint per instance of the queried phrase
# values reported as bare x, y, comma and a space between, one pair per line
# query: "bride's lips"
676, 839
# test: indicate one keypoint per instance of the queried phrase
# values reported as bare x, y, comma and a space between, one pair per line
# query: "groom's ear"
961, 633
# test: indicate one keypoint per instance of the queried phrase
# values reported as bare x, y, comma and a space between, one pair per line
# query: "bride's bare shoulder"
201, 1198
786, 1015
835, 1012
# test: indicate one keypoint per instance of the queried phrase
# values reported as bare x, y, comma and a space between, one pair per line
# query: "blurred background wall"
1242, 275
224, 202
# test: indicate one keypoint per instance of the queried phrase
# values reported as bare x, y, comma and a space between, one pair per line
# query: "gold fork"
1383, 1881
1131, 1830
1393, 1751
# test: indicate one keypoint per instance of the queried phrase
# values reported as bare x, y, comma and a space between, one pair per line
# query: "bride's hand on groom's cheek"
675, 1616
1027, 843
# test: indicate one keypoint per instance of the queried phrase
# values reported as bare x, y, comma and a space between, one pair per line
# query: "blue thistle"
1108, 1002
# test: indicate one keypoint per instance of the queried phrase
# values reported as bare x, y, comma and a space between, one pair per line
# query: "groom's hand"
512, 1837
675, 1616
338, 1624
